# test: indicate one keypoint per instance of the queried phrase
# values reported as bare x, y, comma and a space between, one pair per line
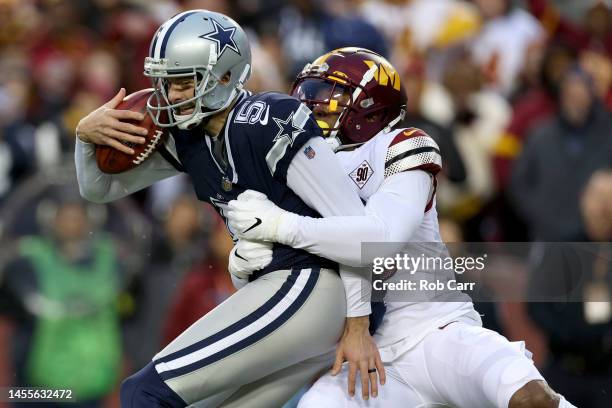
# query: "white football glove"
253, 216
247, 257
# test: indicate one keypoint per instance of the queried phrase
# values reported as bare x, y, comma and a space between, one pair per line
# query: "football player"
436, 353
265, 342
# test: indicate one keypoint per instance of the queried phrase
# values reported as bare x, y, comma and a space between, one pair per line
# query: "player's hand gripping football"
254, 217
247, 257
358, 348
104, 126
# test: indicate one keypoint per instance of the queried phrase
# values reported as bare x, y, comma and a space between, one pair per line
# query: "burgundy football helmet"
359, 85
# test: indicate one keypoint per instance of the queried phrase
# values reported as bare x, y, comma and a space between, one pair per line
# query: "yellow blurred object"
336, 75
324, 127
508, 146
71, 118
465, 208
461, 24
333, 105
126, 304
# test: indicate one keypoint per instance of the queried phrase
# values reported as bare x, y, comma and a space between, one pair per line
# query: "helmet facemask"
330, 101
160, 106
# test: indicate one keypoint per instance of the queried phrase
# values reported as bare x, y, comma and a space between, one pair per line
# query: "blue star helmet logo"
223, 37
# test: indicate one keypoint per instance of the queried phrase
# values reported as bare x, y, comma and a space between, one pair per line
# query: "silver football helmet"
203, 45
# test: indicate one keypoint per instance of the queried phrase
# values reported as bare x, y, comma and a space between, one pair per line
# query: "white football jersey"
405, 323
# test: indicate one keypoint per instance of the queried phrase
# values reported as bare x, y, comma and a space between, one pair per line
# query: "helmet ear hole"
226, 78
375, 116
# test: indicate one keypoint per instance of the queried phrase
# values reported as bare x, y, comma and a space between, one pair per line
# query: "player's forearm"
335, 238
392, 216
93, 184
358, 291
99, 187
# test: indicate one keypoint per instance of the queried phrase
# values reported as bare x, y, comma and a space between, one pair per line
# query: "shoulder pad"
412, 149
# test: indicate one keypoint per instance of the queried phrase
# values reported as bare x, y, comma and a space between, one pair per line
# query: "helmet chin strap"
395, 121
331, 138
333, 142
189, 123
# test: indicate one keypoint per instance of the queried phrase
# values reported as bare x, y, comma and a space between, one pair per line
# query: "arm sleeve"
392, 215
99, 187
320, 182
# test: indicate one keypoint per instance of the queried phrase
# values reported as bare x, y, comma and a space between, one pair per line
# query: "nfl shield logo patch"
309, 152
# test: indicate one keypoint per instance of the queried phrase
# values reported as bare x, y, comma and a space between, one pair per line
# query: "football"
111, 160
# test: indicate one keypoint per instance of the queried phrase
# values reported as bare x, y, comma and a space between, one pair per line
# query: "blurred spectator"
594, 33
301, 34
127, 32
261, 16
221, 6
204, 286
477, 119
532, 106
266, 75
62, 291
436, 24
599, 66
163, 195
580, 334
596, 206
428, 27
414, 84
57, 48
19, 19
308, 29
500, 48
558, 159
345, 27
17, 137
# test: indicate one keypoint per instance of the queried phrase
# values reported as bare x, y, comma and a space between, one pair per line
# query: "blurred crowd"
518, 95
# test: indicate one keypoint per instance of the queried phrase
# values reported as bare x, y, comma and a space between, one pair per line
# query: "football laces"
150, 148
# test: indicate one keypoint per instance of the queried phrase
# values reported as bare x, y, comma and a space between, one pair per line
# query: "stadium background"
483, 78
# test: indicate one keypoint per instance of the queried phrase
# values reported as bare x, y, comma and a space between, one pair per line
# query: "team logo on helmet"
385, 74
224, 37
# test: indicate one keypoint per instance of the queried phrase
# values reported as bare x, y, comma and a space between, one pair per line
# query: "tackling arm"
392, 215
321, 183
